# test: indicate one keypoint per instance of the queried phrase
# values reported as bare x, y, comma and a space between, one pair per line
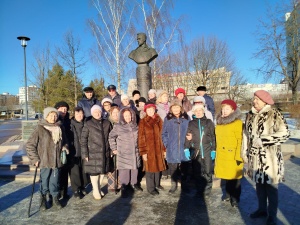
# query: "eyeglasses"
107, 105
111, 90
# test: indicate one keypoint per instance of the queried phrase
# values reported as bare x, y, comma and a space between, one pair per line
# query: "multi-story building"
217, 82
31, 94
8, 99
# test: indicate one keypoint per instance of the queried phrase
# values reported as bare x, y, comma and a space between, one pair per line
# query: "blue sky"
45, 21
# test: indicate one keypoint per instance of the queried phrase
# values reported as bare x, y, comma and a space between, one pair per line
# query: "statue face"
141, 39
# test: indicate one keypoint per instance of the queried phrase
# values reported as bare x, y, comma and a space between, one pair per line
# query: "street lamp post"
24, 44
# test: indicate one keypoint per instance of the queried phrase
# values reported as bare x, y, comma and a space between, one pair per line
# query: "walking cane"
32, 191
116, 174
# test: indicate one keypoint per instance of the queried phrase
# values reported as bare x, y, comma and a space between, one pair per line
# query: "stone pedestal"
28, 127
144, 80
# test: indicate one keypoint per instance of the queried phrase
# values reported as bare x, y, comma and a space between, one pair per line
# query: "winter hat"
95, 107
199, 99
135, 92
61, 104
49, 110
229, 102
152, 91
264, 96
175, 101
201, 88
149, 105
106, 100
198, 106
123, 97
179, 90
111, 87
88, 89
142, 99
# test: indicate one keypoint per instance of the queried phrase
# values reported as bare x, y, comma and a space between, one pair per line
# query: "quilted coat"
95, 146
265, 164
229, 132
150, 143
123, 138
173, 136
40, 146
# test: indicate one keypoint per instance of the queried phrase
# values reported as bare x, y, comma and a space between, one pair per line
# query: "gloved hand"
213, 155
187, 154
238, 162
257, 143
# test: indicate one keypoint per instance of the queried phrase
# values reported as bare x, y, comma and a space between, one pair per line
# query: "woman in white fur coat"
265, 129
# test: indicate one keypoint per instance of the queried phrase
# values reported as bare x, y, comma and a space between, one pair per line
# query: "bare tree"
161, 29
71, 54
235, 92
279, 41
114, 36
40, 70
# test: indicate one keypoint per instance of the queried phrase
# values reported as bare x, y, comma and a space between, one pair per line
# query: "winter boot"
173, 187
95, 185
43, 204
124, 193
56, 203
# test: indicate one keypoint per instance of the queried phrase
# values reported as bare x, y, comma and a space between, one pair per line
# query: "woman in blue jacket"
173, 136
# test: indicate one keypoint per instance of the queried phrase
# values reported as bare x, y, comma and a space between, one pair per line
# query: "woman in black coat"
95, 149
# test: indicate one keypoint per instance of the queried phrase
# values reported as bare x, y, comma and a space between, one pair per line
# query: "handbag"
63, 157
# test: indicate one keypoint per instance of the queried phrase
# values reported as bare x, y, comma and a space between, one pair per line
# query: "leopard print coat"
265, 163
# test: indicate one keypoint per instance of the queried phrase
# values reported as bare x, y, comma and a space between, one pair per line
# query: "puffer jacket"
265, 164
75, 139
123, 138
173, 136
40, 146
95, 146
229, 131
87, 104
203, 136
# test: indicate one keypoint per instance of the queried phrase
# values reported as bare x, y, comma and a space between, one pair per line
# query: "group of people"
124, 137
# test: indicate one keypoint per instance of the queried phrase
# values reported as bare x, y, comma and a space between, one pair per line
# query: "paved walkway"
145, 209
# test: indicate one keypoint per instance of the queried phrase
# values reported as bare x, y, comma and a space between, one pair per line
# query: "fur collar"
265, 109
229, 119
182, 115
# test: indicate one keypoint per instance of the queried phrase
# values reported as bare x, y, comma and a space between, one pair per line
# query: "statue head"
141, 38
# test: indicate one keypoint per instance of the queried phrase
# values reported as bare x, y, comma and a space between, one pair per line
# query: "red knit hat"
179, 90
264, 96
148, 105
229, 102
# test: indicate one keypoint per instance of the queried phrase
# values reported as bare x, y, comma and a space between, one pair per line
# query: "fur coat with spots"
265, 161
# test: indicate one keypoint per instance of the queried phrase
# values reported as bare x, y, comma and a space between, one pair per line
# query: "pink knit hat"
264, 96
229, 102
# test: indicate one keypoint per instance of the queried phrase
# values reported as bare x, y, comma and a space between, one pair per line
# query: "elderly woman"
201, 136
229, 164
95, 149
44, 148
265, 129
151, 148
123, 142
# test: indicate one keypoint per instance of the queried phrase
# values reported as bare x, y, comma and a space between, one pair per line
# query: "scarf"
55, 132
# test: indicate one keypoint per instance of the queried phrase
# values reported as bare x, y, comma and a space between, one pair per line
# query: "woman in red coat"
151, 148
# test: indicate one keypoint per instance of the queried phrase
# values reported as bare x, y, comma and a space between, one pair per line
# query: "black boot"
136, 187
124, 193
43, 204
173, 187
56, 203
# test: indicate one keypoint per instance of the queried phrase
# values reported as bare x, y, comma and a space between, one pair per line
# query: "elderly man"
113, 95
201, 91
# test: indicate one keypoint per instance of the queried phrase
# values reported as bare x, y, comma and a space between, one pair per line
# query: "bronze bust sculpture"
143, 55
